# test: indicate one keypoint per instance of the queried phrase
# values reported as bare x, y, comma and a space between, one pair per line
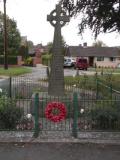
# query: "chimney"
85, 44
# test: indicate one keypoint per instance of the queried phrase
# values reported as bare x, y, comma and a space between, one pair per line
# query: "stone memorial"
57, 19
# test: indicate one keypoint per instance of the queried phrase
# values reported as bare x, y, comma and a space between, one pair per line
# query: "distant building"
38, 49
36, 52
99, 56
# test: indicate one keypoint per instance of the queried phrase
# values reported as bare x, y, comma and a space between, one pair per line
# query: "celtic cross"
57, 19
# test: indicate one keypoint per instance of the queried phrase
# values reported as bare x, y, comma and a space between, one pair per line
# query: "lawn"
14, 71
89, 82
105, 70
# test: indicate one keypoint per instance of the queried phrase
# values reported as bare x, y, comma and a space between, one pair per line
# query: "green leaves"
13, 36
98, 15
9, 113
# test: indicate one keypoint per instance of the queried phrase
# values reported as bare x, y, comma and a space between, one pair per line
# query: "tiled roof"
93, 51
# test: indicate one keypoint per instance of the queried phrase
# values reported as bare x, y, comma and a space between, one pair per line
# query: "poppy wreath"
51, 107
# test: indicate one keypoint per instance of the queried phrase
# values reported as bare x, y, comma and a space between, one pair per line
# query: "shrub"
9, 113
28, 61
106, 115
46, 59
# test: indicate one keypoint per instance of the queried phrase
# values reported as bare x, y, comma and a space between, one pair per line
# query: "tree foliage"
26, 48
49, 46
13, 36
30, 45
98, 15
99, 44
23, 51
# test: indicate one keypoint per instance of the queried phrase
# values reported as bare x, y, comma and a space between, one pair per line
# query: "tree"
25, 48
23, 51
30, 45
49, 46
98, 15
13, 36
99, 44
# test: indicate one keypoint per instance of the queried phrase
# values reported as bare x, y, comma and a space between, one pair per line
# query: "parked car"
81, 63
69, 62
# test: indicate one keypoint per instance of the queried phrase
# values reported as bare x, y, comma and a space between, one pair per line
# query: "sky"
31, 18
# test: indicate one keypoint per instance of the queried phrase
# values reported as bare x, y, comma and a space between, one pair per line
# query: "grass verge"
14, 71
105, 70
89, 82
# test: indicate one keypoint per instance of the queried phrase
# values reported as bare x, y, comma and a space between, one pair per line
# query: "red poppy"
53, 107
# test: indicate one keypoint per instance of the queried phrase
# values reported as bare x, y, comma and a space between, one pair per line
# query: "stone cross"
58, 19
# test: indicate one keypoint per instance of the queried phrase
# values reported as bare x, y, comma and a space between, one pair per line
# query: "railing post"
111, 91
36, 115
97, 83
47, 72
10, 87
75, 115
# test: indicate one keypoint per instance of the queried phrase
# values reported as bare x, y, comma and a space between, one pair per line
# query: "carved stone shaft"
56, 78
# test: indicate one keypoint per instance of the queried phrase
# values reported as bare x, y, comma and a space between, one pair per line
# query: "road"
41, 72
59, 151
32, 79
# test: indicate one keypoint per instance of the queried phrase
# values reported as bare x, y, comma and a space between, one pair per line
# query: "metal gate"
68, 124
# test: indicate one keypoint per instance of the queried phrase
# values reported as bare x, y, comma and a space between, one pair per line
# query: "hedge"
12, 60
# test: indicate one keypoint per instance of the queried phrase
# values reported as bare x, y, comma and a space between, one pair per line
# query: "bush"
106, 116
46, 59
9, 113
28, 61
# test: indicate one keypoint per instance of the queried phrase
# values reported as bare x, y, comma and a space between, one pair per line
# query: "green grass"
105, 70
14, 71
89, 82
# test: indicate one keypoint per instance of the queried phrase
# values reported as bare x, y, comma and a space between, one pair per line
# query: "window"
112, 59
100, 58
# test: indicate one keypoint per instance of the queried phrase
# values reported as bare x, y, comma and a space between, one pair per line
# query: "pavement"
59, 151
110, 138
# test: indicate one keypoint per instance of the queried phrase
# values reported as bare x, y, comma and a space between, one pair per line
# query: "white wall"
107, 62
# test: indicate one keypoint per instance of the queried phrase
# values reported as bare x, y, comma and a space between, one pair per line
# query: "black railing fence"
90, 106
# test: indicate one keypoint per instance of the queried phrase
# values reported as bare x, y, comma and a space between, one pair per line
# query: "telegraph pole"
5, 38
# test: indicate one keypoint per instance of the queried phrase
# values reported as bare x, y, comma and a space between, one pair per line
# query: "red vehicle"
81, 63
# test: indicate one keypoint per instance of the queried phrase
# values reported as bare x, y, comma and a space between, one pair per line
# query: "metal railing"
90, 107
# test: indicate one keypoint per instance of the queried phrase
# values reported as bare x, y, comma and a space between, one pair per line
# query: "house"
97, 56
36, 53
